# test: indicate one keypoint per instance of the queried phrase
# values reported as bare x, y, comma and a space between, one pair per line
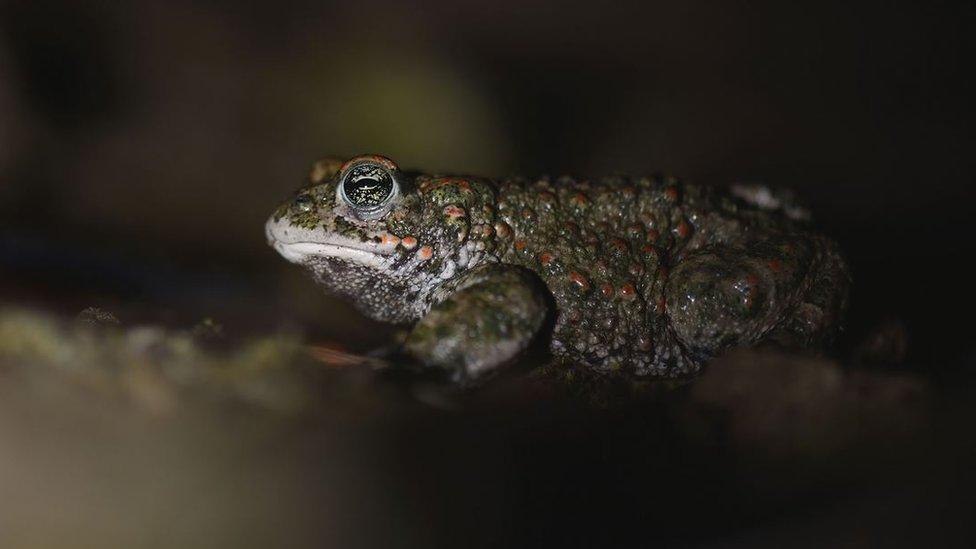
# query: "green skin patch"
641, 276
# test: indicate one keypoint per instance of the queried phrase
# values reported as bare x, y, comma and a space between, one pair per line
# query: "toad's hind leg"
814, 322
772, 286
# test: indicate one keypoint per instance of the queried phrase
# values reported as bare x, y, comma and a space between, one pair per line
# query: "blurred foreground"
142, 436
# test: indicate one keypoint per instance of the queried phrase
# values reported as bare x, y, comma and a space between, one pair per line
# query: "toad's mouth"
303, 252
302, 246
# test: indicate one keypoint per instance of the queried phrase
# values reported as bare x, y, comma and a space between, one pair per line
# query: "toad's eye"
369, 188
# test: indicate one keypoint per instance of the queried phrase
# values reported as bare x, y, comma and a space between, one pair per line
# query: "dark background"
143, 144
171, 129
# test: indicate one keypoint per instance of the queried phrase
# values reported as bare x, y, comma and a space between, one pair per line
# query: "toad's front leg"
480, 321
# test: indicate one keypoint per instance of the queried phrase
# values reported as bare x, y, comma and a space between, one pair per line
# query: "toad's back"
651, 275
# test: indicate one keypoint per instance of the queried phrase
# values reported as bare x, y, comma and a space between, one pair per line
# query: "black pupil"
368, 187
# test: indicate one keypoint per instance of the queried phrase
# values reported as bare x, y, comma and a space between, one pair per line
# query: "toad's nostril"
303, 202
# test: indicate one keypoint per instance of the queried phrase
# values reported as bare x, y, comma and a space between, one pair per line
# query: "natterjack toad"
642, 276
